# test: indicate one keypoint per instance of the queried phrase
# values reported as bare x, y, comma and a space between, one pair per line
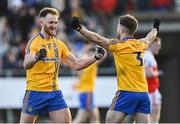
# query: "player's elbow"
77, 68
26, 66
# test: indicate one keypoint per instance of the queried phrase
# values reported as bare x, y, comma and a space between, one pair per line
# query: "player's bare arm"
94, 37
90, 35
31, 59
152, 34
79, 64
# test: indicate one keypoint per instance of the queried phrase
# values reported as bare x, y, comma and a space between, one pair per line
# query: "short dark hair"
130, 22
47, 10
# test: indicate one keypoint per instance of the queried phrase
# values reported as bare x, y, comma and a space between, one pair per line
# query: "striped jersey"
43, 76
129, 61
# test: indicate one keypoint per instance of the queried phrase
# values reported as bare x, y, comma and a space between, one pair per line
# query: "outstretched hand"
99, 52
75, 23
157, 23
41, 54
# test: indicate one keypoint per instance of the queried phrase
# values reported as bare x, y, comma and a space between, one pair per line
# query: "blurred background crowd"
19, 23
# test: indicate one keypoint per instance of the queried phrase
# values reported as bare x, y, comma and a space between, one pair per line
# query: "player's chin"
53, 33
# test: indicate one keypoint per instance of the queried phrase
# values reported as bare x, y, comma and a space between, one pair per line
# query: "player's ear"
122, 30
41, 20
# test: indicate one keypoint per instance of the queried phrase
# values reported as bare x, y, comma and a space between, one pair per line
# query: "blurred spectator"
5, 35
73, 8
86, 4
143, 5
61, 31
58, 4
177, 5
37, 3
10, 59
62, 35
26, 20
108, 6
123, 6
3, 7
14, 4
162, 5
104, 6
76, 9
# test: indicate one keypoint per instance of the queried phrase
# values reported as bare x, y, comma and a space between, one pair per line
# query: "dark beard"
46, 29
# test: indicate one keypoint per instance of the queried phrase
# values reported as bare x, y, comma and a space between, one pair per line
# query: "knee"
68, 119
25, 118
108, 118
81, 117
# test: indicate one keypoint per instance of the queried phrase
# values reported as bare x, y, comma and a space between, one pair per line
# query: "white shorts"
155, 98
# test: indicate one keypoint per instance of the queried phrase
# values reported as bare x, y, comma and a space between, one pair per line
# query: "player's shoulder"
137, 43
134, 41
118, 41
147, 52
34, 39
59, 42
113, 41
148, 56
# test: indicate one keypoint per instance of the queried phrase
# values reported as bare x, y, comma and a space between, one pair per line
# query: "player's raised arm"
89, 35
152, 34
79, 64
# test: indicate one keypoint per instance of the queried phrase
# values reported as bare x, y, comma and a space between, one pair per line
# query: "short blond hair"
47, 10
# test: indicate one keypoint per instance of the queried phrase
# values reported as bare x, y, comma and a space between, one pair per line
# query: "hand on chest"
52, 49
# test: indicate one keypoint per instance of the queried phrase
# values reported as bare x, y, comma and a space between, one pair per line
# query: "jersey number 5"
138, 57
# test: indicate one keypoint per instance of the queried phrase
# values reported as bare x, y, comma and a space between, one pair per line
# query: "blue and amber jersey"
129, 61
43, 76
87, 78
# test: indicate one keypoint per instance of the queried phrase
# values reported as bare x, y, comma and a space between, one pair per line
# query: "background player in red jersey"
152, 75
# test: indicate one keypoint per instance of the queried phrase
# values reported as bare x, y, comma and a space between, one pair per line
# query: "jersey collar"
126, 38
41, 35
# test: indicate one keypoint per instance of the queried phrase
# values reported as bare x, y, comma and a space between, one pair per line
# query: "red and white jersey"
150, 62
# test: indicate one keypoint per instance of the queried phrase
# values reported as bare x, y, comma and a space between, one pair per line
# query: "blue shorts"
86, 101
131, 102
41, 103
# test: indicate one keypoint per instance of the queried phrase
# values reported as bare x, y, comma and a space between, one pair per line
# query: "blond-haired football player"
42, 61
